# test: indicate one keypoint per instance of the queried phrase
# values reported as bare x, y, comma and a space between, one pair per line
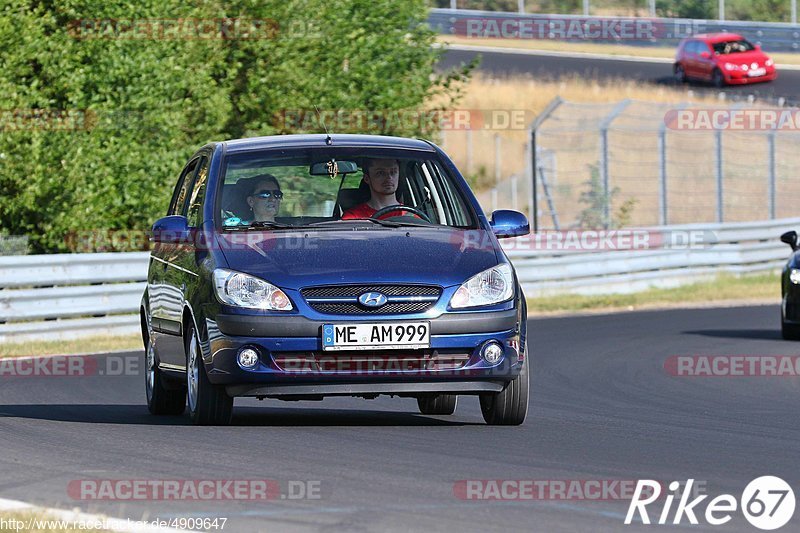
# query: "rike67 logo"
767, 502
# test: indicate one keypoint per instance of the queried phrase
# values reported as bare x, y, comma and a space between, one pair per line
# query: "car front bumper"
292, 364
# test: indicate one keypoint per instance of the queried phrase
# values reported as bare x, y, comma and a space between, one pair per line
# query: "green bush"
138, 108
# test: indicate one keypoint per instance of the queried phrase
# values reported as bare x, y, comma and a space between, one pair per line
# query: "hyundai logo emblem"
372, 299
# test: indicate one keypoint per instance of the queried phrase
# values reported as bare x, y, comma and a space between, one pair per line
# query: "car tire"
680, 74
508, 407
209, 404
162, 398
717, 79
437, 404
789, 332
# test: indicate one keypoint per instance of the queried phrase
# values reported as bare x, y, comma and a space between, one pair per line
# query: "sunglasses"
269, 194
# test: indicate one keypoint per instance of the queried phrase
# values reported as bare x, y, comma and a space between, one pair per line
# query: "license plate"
385, 336
757, 72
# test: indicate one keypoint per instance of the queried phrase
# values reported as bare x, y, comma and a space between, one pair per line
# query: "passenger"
264, 197
383, 178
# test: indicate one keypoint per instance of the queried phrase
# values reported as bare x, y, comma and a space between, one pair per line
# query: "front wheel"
789, 332
209, 404
437, 404
509, 406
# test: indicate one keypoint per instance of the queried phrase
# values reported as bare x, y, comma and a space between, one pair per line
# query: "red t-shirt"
365, 211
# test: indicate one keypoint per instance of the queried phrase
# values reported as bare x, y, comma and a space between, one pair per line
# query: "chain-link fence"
636, 163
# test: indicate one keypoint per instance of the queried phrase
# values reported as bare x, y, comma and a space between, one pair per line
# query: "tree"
122, 116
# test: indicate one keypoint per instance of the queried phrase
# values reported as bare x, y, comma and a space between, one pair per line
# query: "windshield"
280, 189
733, 47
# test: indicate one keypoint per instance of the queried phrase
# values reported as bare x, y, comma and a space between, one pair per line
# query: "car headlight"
769, 62
244, 290
794, 276
491, 286
730, 66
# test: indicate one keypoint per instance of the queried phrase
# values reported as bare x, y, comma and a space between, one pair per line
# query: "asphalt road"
503, 64
603, 408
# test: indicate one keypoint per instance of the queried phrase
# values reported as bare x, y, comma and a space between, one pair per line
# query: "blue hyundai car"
303, 266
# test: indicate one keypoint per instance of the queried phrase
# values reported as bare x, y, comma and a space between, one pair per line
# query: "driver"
383, 177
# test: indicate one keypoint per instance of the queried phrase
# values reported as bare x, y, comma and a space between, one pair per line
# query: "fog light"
794, 276
492, 352
248, 358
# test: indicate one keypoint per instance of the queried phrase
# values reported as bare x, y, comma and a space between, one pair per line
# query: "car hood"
294, 260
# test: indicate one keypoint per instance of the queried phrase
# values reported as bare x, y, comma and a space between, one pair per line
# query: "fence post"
453, 4
794, 11
605, 124
772, 177
521, 6
585, 8
663, 204
721, 10
718, 150
537, 122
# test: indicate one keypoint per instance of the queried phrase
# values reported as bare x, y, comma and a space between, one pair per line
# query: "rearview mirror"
508, 223
173, 229
790, 238
333, 168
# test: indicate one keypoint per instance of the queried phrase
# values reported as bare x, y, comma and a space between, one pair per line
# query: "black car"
790, 290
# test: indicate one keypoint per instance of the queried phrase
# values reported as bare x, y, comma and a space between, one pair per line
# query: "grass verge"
658, 52
756, 288
87, 345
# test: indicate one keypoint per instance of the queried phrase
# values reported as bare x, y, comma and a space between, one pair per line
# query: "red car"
722, 59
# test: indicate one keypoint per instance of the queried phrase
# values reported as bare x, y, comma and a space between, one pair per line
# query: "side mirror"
758, 47
790, 238
173, 229
705, 55
508, 223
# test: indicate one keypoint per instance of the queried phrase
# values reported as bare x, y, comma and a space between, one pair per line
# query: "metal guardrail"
773, 36
61, 296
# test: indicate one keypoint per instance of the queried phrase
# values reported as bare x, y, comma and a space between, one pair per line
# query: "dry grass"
531, 96
658, 52
756, 288
87, 345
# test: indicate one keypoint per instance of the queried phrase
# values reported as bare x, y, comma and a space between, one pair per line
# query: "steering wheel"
391, 208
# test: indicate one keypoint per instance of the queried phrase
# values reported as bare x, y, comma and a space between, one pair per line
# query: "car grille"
343, 299
379, 361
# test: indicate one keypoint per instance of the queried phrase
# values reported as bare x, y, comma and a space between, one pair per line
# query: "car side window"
178, 204
195, 213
